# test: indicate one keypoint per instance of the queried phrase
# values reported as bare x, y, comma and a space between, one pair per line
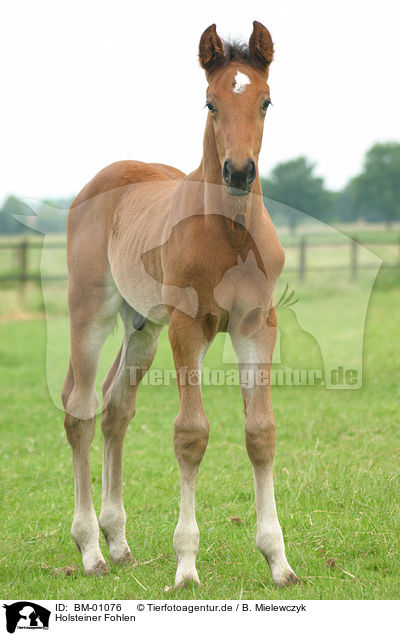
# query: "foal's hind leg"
119, 390
92, 317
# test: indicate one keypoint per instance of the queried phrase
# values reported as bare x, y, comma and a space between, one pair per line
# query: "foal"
198, 252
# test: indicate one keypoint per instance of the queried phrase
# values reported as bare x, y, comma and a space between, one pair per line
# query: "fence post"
353, 258
302, 259
23, 264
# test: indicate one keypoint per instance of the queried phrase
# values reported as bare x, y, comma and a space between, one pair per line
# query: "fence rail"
302, 268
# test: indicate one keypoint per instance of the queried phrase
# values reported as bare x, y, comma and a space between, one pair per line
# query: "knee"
79, 432
191, 437
260, 439
82, 404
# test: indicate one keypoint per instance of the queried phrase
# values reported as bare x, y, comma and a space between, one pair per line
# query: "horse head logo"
27, 615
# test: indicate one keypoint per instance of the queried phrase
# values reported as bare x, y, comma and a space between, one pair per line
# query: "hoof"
100, 568
287, 578
184, 580
121, 558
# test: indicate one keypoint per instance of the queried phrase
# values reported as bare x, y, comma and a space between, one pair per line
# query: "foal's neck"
238, 211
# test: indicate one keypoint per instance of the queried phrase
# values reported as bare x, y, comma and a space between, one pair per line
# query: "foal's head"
237, 99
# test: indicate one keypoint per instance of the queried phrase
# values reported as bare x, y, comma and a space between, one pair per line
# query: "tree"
376, 191
8, 224
294, 184
343, 208
49, 216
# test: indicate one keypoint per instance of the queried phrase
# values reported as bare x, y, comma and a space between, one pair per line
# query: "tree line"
373, 195
52, 214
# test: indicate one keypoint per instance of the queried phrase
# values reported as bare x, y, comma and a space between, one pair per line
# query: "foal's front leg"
254, 355
190, 436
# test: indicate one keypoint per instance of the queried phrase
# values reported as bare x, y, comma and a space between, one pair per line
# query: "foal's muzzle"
239, 182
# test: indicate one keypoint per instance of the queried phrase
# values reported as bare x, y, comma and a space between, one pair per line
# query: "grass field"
336, 472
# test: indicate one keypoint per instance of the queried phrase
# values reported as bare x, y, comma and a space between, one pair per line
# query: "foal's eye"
210, 107
266, 104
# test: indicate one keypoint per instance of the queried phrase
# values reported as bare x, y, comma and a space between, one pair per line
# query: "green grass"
336, 472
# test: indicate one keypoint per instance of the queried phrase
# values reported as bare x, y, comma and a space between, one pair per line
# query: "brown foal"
199, 253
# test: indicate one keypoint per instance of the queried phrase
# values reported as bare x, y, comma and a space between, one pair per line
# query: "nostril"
251, 175
227, 170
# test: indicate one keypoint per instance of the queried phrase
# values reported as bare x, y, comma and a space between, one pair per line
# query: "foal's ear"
211, 50
261, 46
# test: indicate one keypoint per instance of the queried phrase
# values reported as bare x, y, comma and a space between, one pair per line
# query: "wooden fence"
353, 267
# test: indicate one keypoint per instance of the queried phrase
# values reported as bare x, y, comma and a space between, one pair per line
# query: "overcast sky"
85, 83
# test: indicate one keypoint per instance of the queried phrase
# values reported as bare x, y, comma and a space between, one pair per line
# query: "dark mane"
237, 51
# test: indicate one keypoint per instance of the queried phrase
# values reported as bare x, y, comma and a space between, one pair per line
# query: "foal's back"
92, 220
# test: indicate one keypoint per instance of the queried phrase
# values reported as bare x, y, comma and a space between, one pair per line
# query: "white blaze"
241, 80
